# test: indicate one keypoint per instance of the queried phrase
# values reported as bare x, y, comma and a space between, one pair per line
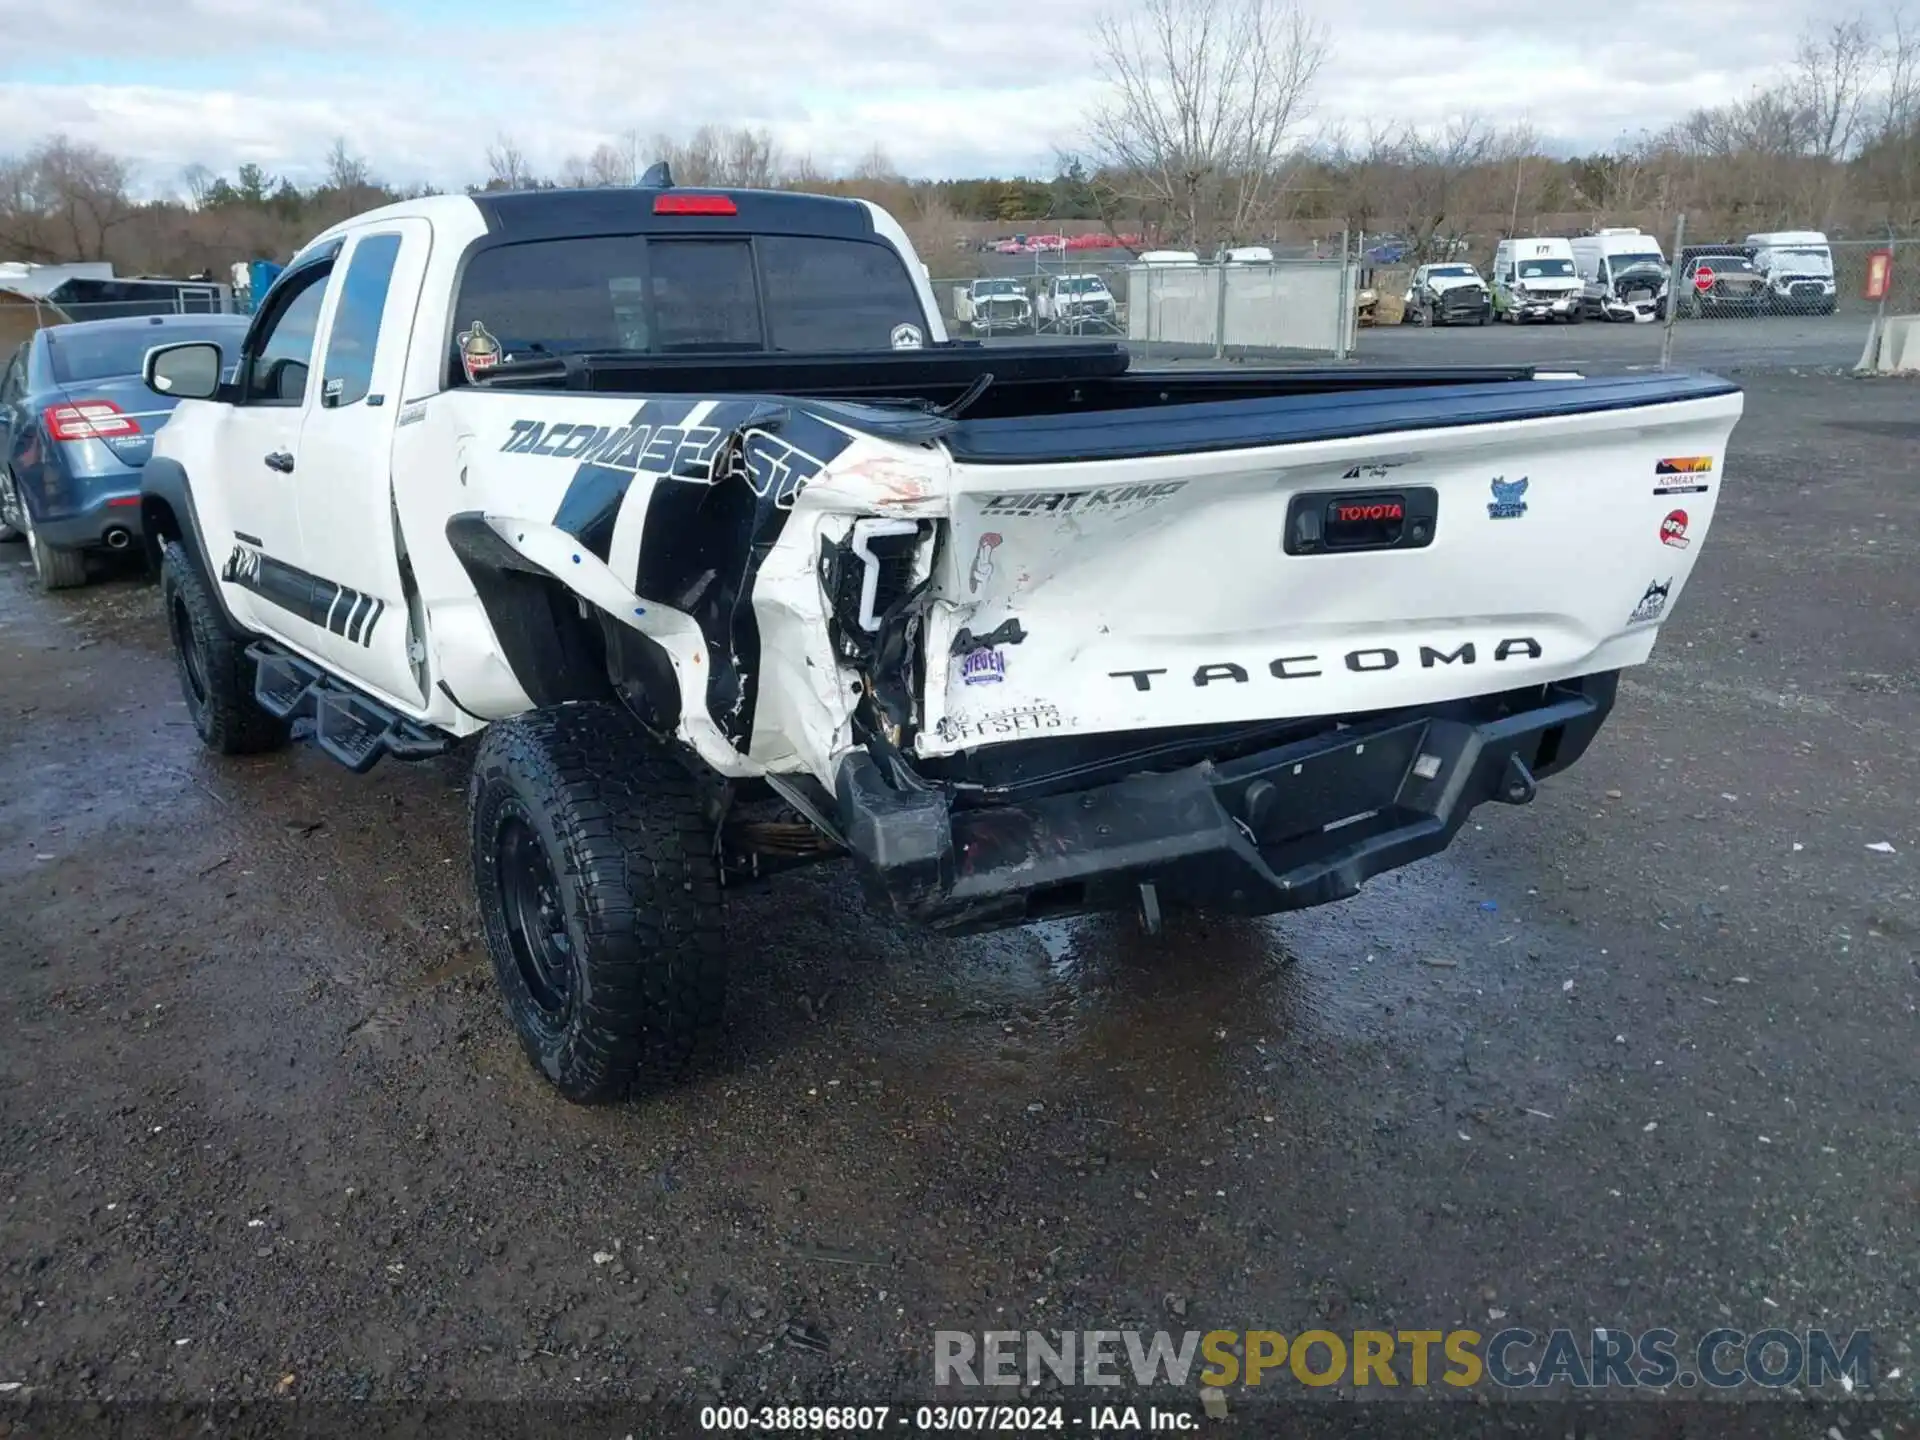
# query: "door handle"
280, 460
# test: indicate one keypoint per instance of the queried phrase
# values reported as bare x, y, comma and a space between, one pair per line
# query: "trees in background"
1198, 141
1201, 123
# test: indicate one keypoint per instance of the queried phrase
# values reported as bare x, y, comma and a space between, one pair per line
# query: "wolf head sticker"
1508, 502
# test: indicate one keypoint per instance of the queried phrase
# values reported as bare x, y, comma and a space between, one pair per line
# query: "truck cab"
290, 468
1798, 266
992, 306
1535, 279
1076, 303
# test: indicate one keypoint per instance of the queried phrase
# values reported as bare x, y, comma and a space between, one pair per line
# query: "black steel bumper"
1298, 825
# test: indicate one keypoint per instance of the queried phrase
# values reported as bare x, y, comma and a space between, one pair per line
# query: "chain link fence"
1793, 299
1303, 310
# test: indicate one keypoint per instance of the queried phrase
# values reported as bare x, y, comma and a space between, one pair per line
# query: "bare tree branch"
1205, 103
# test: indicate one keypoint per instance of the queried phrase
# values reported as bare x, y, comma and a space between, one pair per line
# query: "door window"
280, 353
356, 320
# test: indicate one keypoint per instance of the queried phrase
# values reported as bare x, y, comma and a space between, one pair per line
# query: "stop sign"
1703, 278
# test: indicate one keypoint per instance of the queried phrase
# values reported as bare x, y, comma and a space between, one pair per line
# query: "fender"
526, 604
167, 513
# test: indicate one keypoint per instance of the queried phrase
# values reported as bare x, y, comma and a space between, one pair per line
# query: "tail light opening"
89, 420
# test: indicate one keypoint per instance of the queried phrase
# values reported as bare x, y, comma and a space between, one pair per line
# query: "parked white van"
1798, 265
1534, 279
1623, 274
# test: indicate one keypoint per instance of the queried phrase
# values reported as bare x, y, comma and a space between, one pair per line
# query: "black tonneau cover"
1026, 379
1443, 400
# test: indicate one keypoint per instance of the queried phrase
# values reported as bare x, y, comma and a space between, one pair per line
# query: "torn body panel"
693, 524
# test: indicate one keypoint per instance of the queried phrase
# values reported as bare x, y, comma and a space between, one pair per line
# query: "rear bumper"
110, 517
1298, 825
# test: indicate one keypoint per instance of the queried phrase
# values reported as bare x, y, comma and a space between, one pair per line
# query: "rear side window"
356, 320
832, 295
795, 293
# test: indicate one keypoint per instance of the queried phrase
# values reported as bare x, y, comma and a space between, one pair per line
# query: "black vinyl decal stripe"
591, 506
252, 540
287, 586
705, 538
355, 617
366, 636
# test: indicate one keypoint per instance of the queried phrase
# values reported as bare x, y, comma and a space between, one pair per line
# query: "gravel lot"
1643, 1053
1722, 344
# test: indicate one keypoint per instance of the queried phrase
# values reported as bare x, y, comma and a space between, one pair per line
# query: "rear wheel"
55, 567
216, 676
593, 863
12, 527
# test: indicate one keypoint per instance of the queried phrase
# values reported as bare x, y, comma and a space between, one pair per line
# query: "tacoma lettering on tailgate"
1361, 662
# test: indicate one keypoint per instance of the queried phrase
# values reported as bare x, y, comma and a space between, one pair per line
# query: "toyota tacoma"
681, 513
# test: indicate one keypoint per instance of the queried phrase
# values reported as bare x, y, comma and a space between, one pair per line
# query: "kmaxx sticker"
1682, 475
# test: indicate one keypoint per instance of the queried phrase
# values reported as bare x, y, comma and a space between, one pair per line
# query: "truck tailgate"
1314, 555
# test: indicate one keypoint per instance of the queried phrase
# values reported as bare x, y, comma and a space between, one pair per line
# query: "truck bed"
1057, 403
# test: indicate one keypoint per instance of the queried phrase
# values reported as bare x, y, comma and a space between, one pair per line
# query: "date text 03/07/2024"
972, 1419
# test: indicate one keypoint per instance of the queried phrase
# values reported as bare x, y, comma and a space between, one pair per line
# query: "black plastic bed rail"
941, 373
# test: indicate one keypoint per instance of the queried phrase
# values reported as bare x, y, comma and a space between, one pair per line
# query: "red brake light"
89, 420
674, 203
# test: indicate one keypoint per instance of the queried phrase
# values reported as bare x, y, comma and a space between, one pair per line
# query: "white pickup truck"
684, 504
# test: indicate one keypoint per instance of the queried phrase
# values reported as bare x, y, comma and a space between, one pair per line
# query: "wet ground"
1644, 1053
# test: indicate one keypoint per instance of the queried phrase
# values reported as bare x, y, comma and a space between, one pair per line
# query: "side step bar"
348, 726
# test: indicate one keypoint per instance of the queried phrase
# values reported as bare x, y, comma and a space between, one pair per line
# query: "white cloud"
996, 86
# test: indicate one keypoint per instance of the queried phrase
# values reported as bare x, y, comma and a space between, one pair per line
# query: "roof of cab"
512, 215
620, 210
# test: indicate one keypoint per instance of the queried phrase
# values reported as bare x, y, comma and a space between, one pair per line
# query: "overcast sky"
421, 87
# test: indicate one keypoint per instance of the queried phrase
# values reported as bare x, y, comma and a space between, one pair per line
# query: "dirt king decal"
1043, 503
1360, 662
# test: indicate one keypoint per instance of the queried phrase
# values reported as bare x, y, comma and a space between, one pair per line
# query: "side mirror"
187, 371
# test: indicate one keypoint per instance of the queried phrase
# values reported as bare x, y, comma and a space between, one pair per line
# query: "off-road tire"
633, 997
216, 675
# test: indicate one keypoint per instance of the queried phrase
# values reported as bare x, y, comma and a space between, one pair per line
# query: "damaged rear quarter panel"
697, 522
807, 695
